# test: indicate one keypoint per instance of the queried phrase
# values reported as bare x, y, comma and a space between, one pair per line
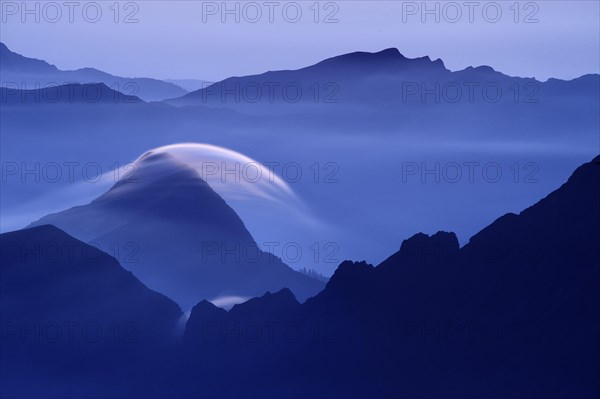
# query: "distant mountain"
180, 237
75, 93
384, 81
19, 72
499, 317
69, 305
189, 84
321, 83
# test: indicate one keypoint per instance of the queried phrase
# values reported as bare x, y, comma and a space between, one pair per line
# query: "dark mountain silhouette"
500, 317
19, 72
73, 318
271, 306
179, 237
70, 94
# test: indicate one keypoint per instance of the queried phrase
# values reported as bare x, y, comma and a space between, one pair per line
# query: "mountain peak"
79, 283
440, 240
389, 58
166, 188
270, 304
152, 170
424, 250
151, 156
42, 231
206, 310
390, 52
284, 294
349, 272
387, 55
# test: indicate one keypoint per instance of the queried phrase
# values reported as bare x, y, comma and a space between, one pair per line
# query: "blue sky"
188, 39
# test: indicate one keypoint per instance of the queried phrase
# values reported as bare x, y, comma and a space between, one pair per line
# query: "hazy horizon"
189, 40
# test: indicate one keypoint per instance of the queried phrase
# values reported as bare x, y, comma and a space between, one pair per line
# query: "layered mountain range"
363, 116
25, 73
385, 82
512, 313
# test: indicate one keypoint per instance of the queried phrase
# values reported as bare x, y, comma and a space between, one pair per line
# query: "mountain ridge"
354, 78
479, 326
21, 70
72, 93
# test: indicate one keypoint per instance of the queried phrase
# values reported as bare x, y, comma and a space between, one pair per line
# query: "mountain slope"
19, 72
493, 319
180, 237
69, 94
65, 303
